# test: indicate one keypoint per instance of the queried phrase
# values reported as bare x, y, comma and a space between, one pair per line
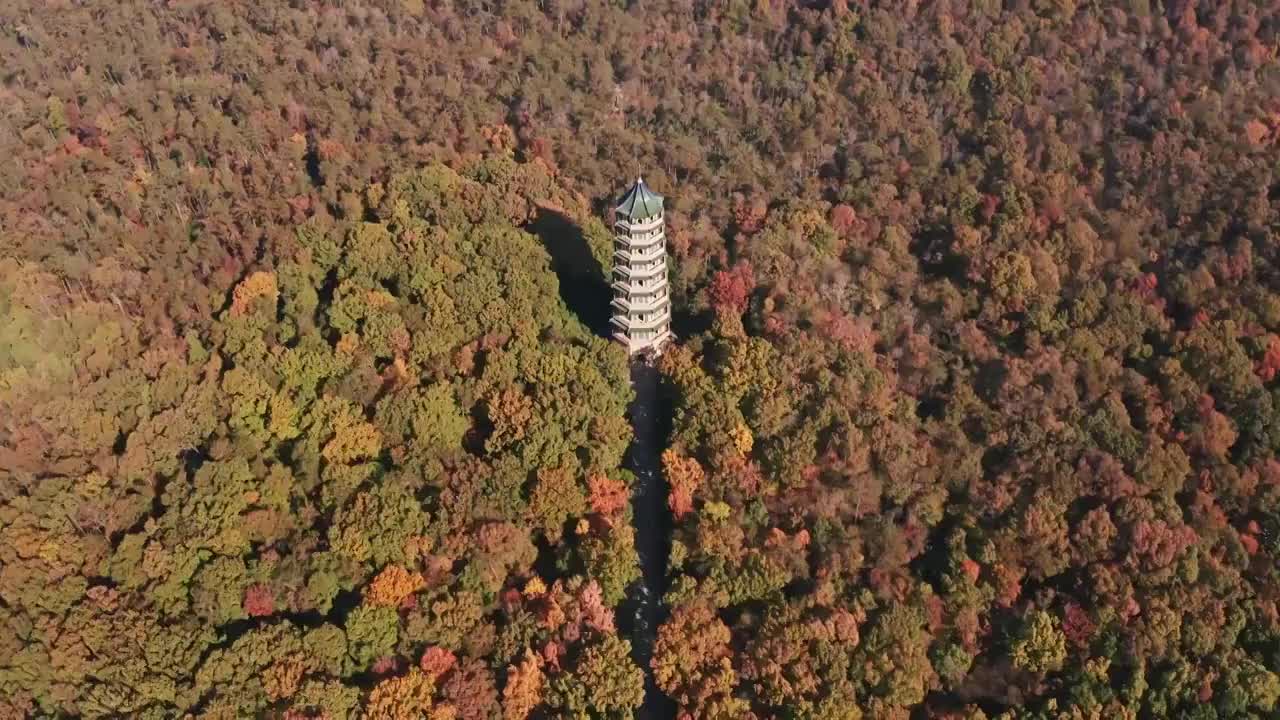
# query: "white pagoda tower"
641, 302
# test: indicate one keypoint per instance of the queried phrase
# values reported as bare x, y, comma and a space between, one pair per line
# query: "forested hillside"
346, 482
974, 409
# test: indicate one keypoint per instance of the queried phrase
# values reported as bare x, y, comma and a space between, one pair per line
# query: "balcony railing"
630, 227
640, 287
640, 236
642, 342
624, 255
644, 304
628, 271
652, 321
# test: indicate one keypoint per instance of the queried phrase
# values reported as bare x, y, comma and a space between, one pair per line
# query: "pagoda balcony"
634, 345
649, 304
627, 323
647, 224
648, 237
627, 272
633, 287
623, 256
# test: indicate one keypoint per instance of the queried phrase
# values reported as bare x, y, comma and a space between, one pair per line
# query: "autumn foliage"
684, 475
974, 411
299, 505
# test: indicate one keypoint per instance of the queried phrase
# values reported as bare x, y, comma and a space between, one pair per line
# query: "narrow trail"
653, 533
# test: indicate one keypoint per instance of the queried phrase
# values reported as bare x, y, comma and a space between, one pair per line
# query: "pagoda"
641, 302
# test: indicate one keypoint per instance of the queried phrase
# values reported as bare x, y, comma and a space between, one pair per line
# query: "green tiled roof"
639, 202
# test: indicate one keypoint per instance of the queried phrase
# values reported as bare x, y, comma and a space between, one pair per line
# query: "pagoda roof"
639, 202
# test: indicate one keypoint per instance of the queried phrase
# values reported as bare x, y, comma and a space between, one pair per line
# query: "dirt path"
653, 532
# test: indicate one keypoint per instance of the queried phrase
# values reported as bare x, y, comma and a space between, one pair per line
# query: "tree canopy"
973, 413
